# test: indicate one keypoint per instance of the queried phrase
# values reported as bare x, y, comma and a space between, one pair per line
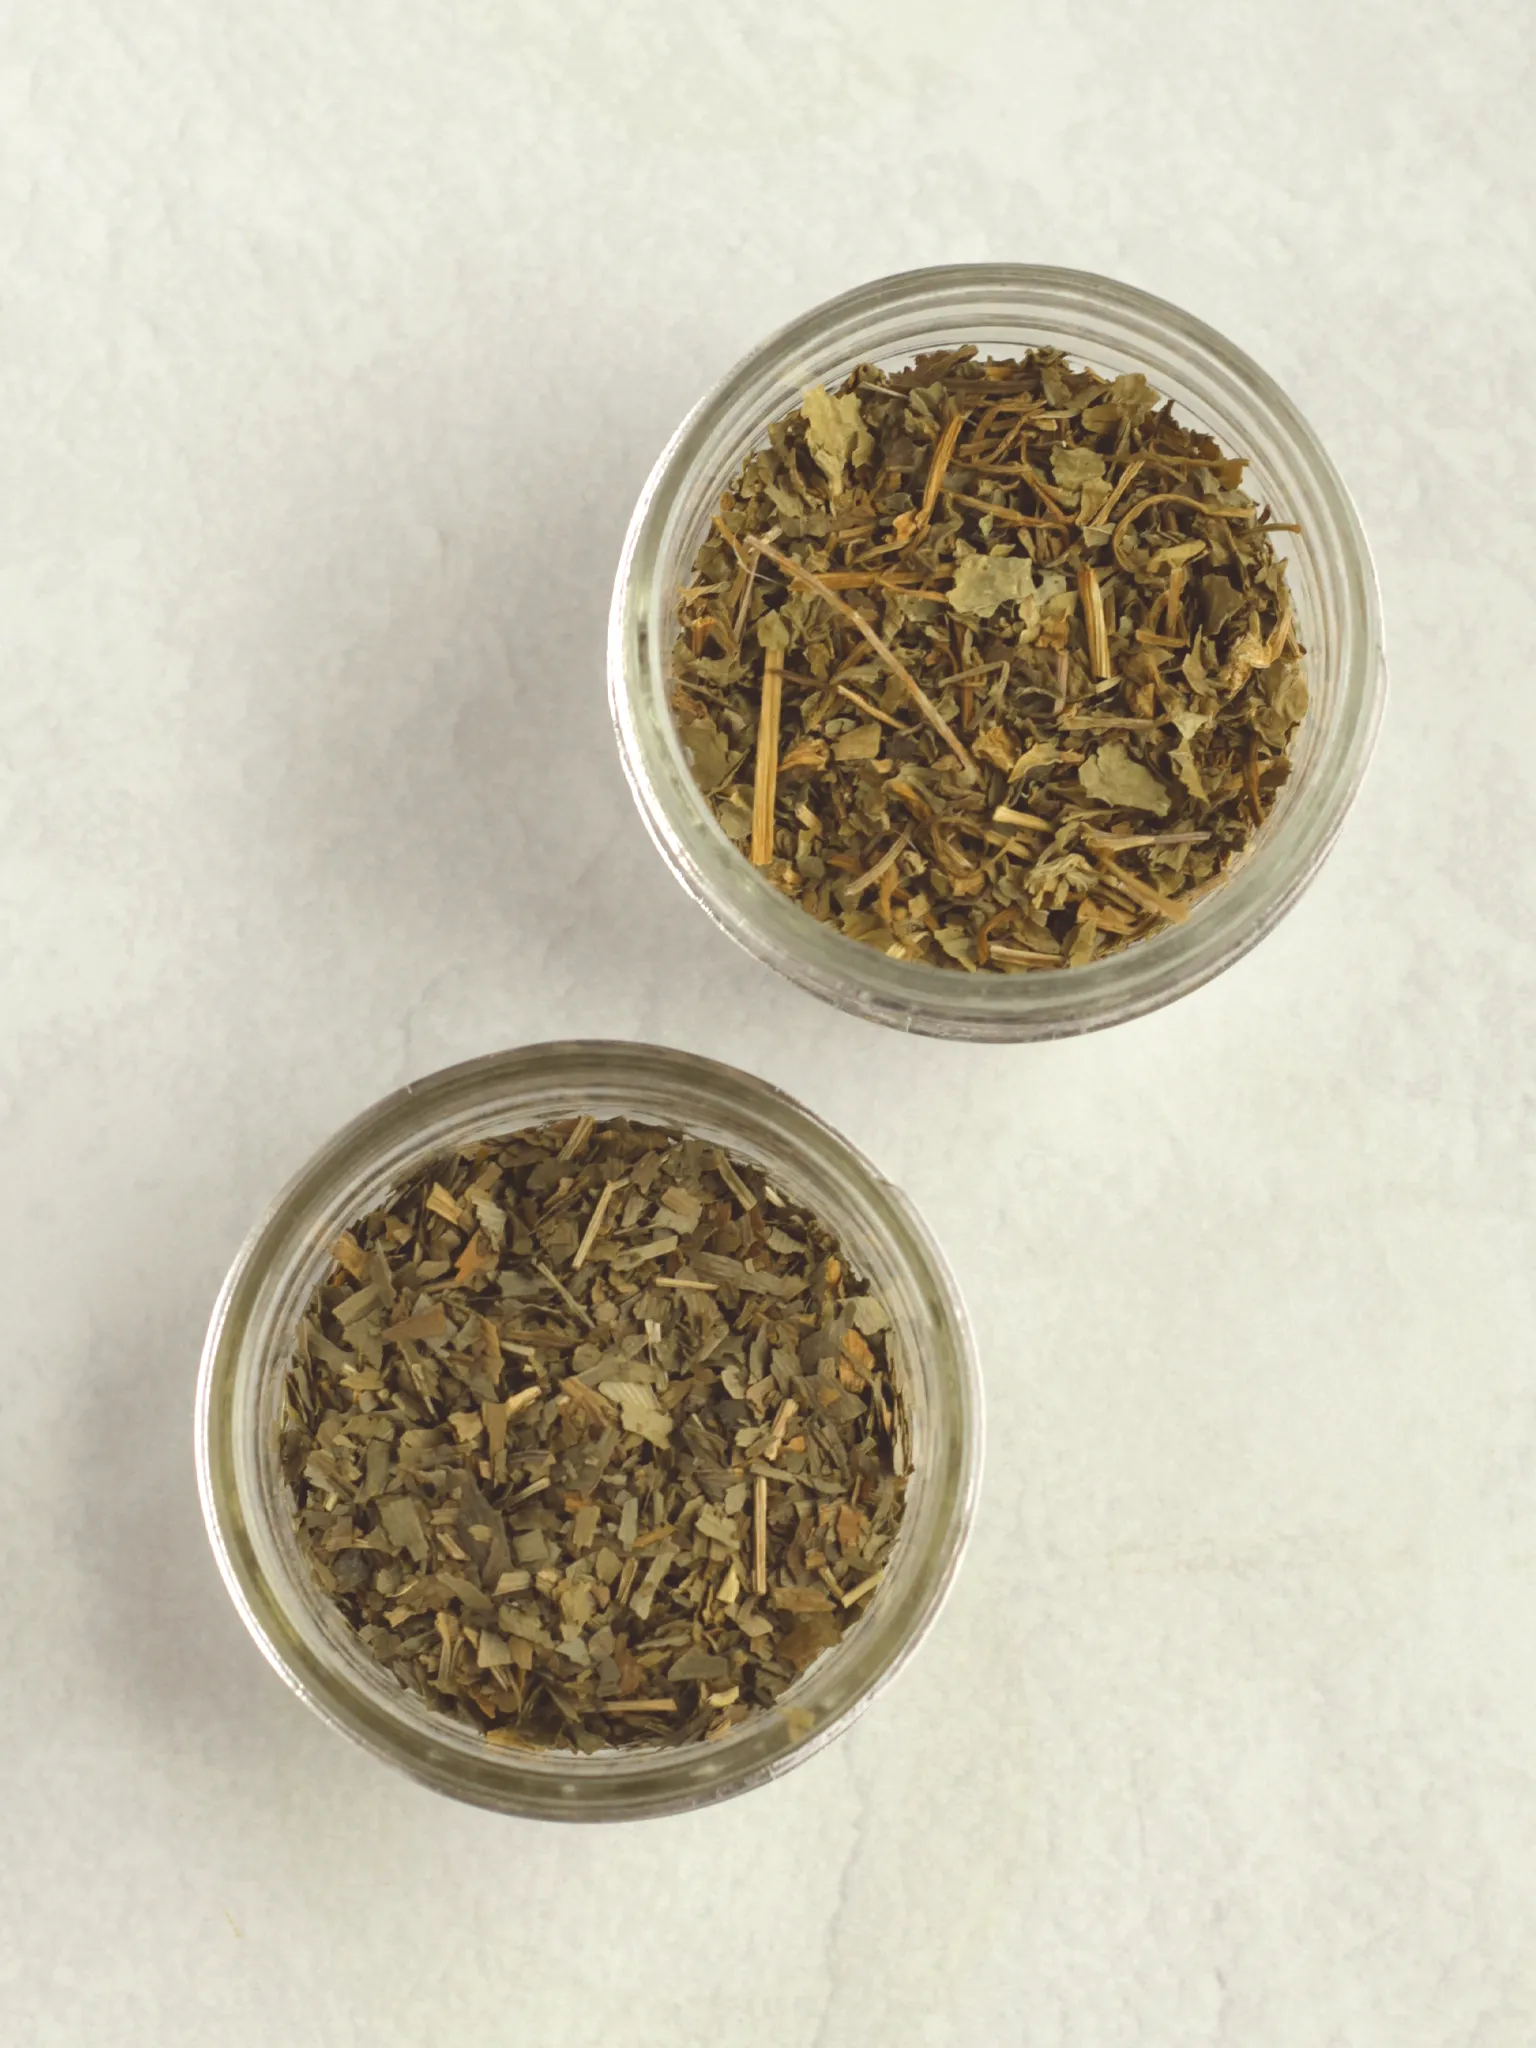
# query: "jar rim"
249, 1341
1208, 377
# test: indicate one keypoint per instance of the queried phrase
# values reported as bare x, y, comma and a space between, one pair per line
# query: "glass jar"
1006, 309
250, 1339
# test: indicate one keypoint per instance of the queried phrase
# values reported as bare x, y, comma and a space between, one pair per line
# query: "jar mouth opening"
1214, 385
249, 1342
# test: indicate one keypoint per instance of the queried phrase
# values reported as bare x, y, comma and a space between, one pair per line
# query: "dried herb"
989, 663
594, 1437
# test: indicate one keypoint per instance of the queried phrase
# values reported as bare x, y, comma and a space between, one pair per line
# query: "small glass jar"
250, 1339
1006, 309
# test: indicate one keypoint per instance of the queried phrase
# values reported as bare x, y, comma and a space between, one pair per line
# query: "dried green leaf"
861, 744
773, 633
984, 582
1188, 723
707, 752
835, 434
402, 1523
642, 1412
1113, 777
1072, 467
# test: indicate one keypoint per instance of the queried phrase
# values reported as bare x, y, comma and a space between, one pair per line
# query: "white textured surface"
336, 337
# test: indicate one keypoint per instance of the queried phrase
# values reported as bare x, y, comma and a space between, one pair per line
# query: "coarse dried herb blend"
593, 1437
989, 663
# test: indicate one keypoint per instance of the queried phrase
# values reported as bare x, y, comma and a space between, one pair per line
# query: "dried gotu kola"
990, 664
593, 1437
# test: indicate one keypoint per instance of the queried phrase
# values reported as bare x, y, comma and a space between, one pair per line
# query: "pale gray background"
336, 338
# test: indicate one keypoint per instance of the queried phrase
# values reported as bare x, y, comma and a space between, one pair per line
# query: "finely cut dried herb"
990, 664
594, 1437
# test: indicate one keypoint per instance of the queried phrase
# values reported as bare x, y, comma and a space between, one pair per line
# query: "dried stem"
886, 861
760, 1536
1170, 498
595, 1224
872, 710
790, 567
765, 778
1093, 619
1139, 893
910, 524
1251, 779
1126, 478
781, 1424
1004, 512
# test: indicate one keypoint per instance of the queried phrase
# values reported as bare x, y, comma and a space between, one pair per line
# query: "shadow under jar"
1006, 311
247, 1505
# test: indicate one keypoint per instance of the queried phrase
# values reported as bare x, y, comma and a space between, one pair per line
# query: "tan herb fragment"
1070, 589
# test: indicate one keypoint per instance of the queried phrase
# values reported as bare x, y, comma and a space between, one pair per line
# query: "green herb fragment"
587, 1450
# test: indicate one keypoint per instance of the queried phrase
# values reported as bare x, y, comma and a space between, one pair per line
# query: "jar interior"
1213, 389
310, 1640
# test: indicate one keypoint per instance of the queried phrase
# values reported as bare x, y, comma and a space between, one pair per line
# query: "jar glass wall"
250, 1340
1006, 310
